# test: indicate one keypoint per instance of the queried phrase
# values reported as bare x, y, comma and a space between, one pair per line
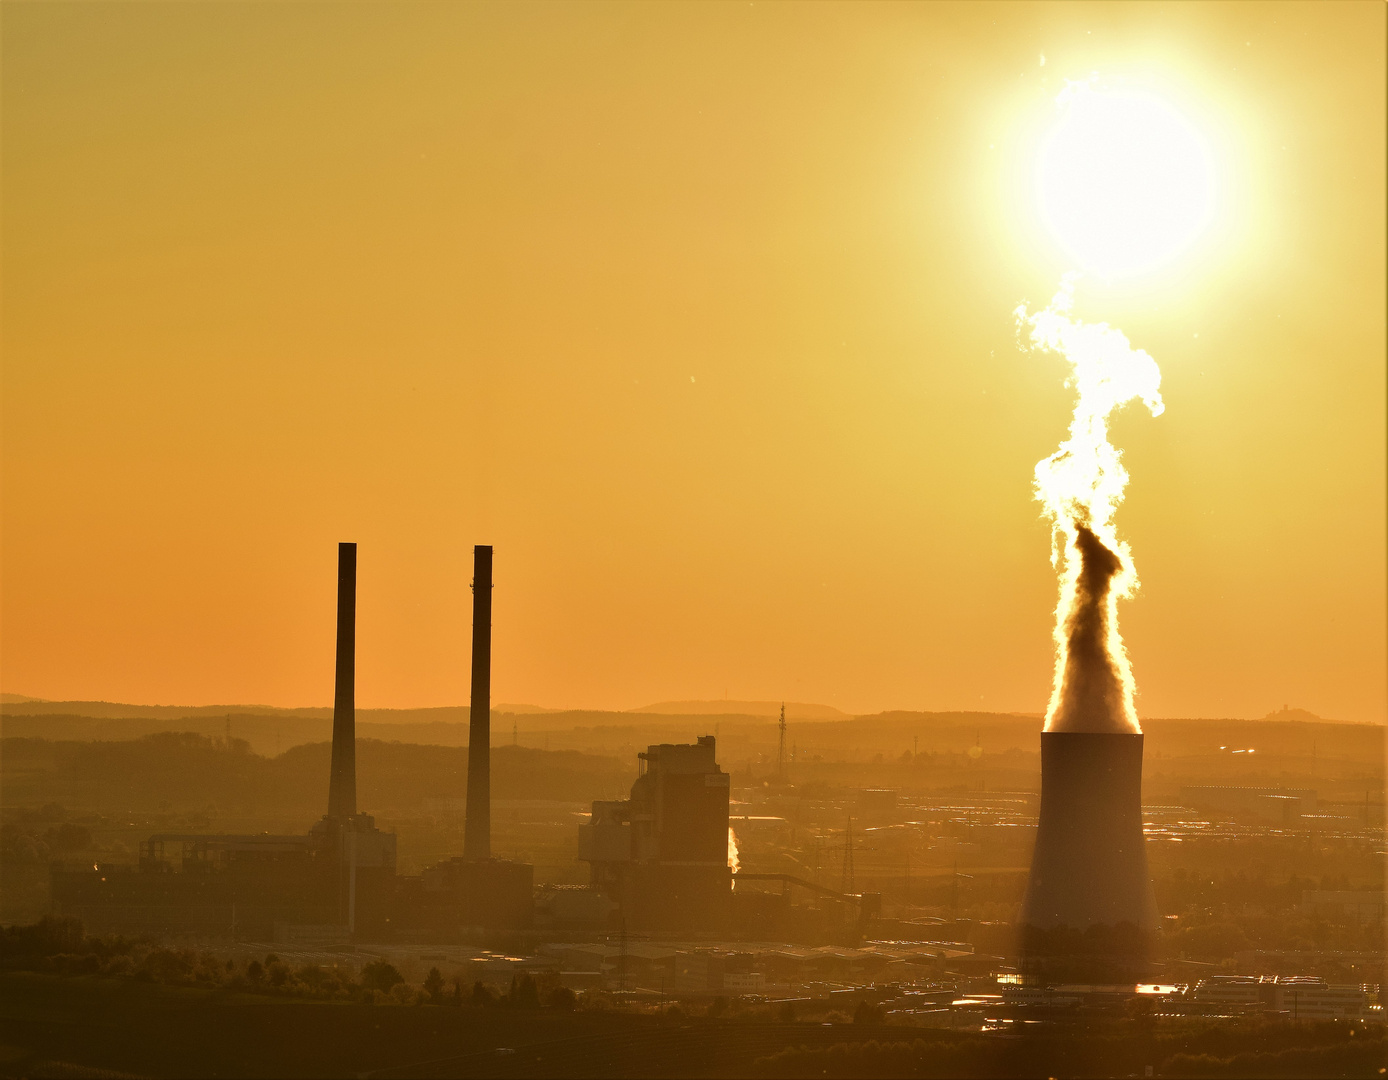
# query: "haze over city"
703, 317
603, 539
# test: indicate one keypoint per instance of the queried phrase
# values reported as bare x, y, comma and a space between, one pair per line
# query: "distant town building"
1275, 805
1240, 991
1360, 906
1302, 997
1306, 998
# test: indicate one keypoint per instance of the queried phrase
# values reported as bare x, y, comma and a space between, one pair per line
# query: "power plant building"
662, 855
340, 877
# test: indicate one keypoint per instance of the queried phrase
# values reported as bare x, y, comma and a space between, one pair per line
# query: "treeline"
1222, 936
173, 770
58, 946
1231, 897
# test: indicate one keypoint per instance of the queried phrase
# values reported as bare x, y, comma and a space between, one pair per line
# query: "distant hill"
745, 738
187, 770
116, 710
1300, 715
795, 710
907, 751
17, 705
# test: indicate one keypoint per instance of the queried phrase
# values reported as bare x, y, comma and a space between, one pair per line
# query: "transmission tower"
781, 750
623, 958
848, 860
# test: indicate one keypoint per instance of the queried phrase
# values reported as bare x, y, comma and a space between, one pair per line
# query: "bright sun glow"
1125, 182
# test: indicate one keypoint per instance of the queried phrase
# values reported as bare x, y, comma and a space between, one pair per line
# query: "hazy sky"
702, 315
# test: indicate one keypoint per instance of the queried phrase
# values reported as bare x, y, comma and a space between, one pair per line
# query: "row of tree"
59, 945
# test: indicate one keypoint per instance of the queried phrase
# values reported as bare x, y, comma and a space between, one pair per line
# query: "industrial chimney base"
1089, 914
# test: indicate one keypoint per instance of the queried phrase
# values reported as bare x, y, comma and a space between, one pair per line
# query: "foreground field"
65, 1026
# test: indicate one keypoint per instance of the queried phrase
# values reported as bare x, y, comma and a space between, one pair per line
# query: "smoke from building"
1091, 691
1089, 912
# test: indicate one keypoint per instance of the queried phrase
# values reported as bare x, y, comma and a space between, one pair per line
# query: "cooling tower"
477, 835
1089, 908
342, 787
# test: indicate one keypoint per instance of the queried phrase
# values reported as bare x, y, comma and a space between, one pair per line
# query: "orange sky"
702, 314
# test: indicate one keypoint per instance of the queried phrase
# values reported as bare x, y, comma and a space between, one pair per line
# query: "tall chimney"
477, 834
342, 788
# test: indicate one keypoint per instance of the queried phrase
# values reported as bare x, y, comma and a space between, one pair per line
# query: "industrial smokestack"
342, 787
477, 835
1089, 869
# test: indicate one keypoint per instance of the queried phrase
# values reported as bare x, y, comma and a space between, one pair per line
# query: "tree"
68, 837
379, 975
561, 997
524, 994
49, 936
433, 986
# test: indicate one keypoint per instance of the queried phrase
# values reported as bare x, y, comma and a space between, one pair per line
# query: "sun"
1124, 182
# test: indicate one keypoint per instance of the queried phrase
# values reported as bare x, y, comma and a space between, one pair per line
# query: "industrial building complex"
338, 880
659, 859
659, 869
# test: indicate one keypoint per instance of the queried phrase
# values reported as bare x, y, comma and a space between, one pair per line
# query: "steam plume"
1080, 487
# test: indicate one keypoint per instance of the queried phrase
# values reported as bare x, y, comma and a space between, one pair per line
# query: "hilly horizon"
800, 712
795, 710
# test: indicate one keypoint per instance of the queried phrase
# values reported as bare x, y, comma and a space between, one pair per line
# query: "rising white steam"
1081, 486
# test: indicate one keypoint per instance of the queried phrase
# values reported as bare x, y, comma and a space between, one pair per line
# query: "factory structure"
659, 860
1089, 914
339, 879
661, 856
